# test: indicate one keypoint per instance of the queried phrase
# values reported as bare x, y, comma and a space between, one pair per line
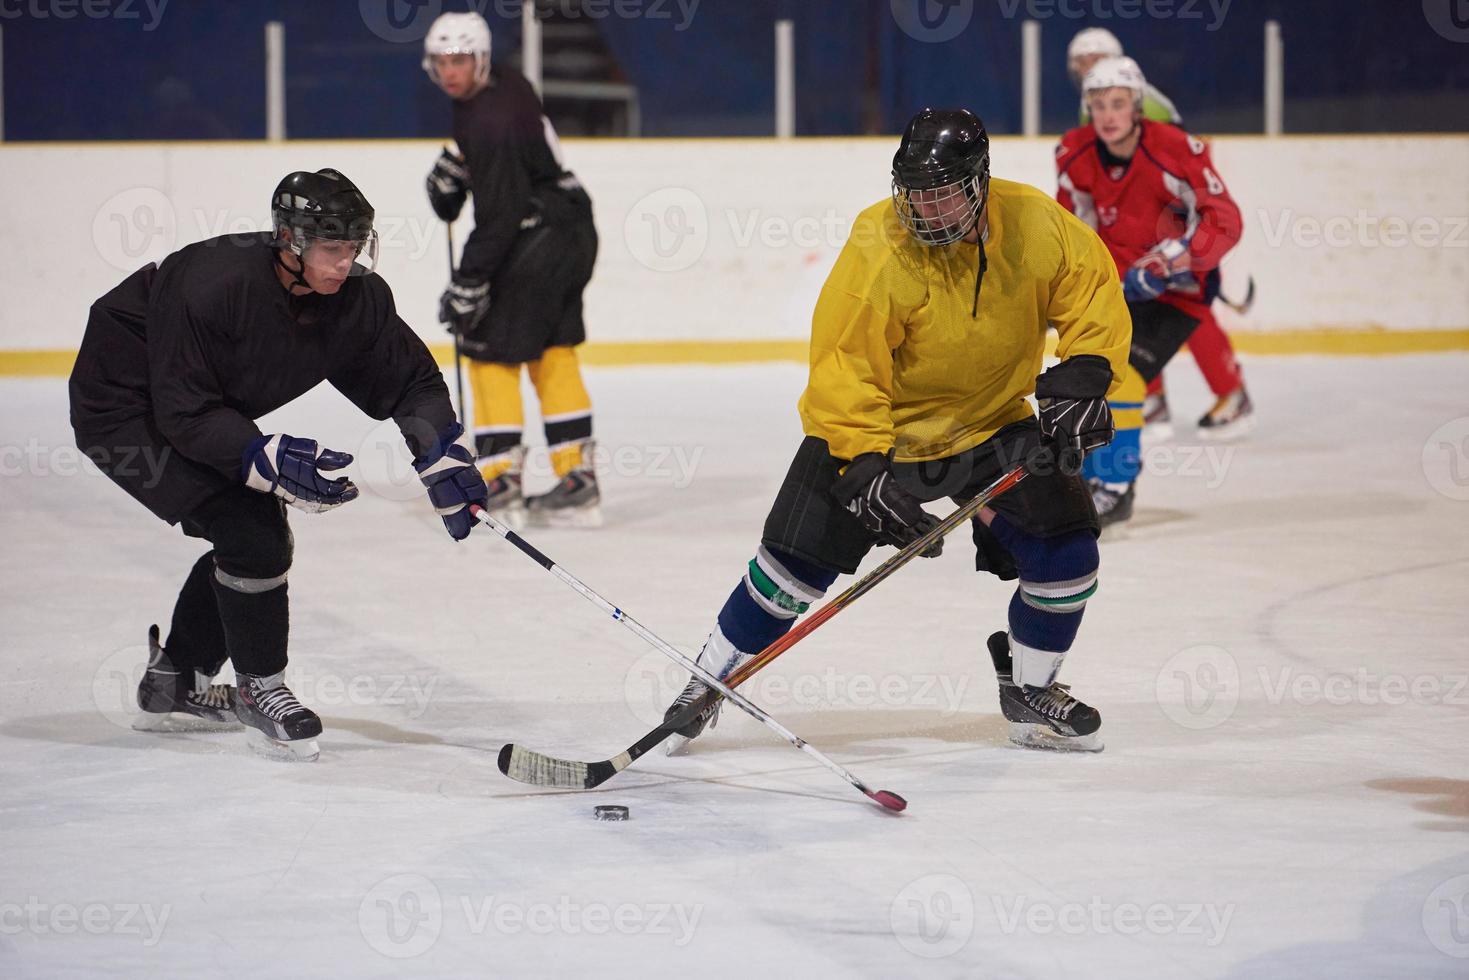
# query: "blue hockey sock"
776, 589
1057, 577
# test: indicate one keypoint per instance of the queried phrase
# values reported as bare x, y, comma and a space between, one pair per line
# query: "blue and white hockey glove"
453, 482
294, 470
1140, 285
1164, 267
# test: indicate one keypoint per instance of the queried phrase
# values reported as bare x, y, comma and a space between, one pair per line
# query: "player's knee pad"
253, 547
1057, 574
776, 588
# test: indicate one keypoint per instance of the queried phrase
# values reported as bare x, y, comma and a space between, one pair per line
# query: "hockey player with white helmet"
1232, 414
516, 298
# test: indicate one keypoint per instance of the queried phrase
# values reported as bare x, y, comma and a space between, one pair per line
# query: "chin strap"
299, 280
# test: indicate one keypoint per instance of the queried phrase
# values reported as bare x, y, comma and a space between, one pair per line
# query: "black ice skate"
1231, 417
720, 658
174, 699
1114, 506
575, 501
1043, 718
283, 729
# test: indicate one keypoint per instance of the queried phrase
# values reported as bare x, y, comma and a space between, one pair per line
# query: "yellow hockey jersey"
898, 361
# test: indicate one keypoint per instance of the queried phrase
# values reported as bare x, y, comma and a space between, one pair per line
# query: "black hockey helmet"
324, 206
941, 174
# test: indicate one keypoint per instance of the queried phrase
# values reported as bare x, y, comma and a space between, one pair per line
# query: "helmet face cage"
359, 239
943, 214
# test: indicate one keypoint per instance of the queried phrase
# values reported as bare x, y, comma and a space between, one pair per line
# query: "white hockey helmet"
458, 34
1120, 72
1086, 47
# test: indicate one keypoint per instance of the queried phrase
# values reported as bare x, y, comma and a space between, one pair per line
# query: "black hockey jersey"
515, 173
210, 341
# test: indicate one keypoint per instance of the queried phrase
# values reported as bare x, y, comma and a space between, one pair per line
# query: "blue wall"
197, 70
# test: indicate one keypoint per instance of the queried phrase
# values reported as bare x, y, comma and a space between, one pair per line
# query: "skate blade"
1230, 432
1041, 737
181, 721
300, 750
676, 745
568, 517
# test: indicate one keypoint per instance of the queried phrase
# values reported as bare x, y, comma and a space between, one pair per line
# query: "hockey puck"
610, 812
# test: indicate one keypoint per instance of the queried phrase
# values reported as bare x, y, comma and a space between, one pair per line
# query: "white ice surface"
1242, 822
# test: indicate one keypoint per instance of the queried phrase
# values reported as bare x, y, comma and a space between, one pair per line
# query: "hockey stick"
527, 768
1243, 306
530, 766
458, 354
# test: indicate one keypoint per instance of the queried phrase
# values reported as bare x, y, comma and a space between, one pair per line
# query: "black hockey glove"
868, 489
462, 305
1075, 417
448, 185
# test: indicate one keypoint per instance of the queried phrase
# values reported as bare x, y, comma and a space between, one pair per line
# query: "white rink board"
729, 239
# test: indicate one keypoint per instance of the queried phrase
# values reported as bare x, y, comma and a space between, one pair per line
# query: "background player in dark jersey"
176, 364
516, 298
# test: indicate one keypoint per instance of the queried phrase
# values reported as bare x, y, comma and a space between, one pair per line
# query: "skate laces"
277, 702
213, 696
1053, 702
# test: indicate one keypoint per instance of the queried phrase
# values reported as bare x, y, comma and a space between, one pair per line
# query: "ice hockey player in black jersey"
516, 298
177, 363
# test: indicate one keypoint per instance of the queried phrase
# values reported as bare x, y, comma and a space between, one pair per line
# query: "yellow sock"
565, 406
499, 416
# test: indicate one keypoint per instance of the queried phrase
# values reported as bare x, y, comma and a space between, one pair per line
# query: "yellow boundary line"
1350, 343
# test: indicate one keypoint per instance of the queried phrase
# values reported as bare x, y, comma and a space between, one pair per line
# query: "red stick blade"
892, 801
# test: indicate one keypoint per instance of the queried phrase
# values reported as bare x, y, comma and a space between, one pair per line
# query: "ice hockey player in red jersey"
1151, 191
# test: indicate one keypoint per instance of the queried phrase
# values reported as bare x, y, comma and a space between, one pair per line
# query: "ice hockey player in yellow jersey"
928, 336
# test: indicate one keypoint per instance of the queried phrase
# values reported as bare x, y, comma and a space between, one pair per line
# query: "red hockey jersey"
1168, 190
